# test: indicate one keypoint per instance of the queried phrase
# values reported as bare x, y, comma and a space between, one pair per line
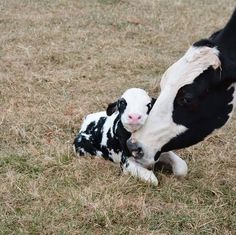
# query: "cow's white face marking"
160, 128
136, 111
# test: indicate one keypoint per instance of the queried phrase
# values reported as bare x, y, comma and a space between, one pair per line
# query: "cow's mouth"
135, 149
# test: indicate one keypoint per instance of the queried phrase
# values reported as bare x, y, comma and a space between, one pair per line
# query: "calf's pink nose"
134, 118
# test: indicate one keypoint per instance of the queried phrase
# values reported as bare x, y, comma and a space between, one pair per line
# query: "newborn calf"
105, 133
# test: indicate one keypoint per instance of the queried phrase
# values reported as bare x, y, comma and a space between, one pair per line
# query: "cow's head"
197, 95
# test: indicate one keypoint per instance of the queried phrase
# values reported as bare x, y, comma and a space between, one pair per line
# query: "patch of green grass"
21, 164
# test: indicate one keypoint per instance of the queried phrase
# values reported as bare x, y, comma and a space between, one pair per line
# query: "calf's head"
133, 108
197, 97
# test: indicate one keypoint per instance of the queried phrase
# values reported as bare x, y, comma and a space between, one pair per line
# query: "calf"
105, 133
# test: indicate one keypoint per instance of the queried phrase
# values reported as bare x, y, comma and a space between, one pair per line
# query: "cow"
198, 95
105, 134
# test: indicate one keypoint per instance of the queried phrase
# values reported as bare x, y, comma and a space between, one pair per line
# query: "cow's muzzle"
134, 148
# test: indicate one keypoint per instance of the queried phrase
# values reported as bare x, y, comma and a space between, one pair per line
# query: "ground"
60, 60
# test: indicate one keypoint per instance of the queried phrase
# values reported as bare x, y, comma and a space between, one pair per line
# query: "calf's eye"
122, 103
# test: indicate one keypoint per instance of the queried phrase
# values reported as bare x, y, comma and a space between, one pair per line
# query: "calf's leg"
82, 146
128, 165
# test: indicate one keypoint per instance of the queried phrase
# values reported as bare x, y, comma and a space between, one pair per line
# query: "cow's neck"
227, 37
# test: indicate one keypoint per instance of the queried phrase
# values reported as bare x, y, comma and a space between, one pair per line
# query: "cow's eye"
187, 99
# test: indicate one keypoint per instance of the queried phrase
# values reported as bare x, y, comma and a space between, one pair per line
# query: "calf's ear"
111, 108
153, 101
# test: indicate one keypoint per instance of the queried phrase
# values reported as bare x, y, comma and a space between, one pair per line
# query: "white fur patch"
94, 117
195, 61
106, 127
116, 157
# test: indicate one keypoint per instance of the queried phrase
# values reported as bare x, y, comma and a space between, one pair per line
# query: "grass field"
60, 60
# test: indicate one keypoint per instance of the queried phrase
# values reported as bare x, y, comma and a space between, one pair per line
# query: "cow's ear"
111, 108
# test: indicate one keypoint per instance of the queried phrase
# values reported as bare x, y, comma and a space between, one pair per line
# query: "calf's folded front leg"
128, 165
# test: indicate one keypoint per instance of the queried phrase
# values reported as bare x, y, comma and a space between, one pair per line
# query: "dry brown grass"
63, 59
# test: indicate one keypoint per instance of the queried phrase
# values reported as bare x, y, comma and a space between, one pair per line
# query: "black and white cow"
105, 134
198, 95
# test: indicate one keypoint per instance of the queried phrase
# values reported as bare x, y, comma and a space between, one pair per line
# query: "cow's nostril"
130, 117
133, 146
139, 117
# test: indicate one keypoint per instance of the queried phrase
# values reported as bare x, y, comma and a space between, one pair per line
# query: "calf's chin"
132, 127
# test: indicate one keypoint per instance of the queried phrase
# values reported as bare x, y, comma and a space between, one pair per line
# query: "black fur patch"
204, 42
90, 140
